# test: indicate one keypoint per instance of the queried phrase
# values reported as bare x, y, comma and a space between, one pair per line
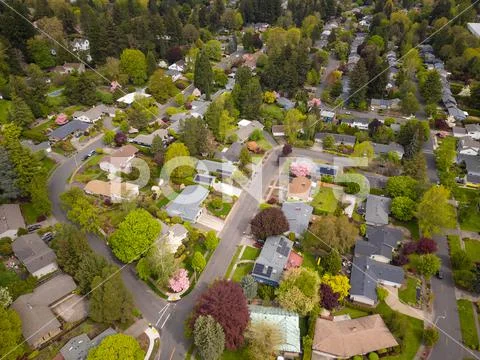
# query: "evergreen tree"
151, 63
39, 194
358, 85
209, 337
203, 75
20, 113
431, 88
8, 178
81, 89
195, 135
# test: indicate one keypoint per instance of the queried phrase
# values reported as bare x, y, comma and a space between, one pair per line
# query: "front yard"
468, 211
408, 292
467, 323
324, 201
472, 247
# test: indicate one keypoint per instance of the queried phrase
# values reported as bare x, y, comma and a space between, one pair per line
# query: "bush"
430, 336
382, 293
373, 356
22, 231
266, 292
363, 229
6, 246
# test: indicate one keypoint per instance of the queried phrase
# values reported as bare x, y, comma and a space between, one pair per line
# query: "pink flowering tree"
179, 281
300, 169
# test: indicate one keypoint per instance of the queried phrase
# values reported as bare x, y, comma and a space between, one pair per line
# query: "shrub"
430, 336
382, 293
22, 231
373, 356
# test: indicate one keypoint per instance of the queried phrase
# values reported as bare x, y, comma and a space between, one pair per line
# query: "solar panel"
262, 270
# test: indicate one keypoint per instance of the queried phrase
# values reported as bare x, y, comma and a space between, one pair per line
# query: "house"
246, 128
287, 322
131, 97
69, 68
379, 243
459, 132
298, 215
147, 140
340, 139
188, 204
472, 165
223, 169
273, 259
63, 132
176, 234
384, 104
120, 160
39, 323
285, 103
80, 45
90, 116
77, 348
382, 149
299, 189
178, 66
114, 191
347, 338
35, 255
367, 273
199, 107
231, 153
377, 210
361, 124
11, 219
473, 130
474, 28
468, 146
34, 148
328, 116
278, 130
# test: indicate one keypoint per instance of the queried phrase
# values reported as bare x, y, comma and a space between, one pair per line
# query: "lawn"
242, 270
354, 313
250, 253
4, 107
411, 225
454, 243
222, 212
49, 164
472, 247
324, 201
264, 144
91, 171
309, 261
467, 323
233, 261
468, 214
409, 294
30, 213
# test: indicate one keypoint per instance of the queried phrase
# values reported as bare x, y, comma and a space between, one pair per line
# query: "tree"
358, 85
39, 51
159, 264
120, 138
402, 186
90, 266
5, 297
179, 281
269, 222
151, 62
426, 265
426, 246
81, 210
244, 158
198, 261
431, 87
11, 346
196, 136
364, 149
330, 232
134, 64
71, 246
434, 211
298, 290
461, 260
409, 103
178, 161
39, 194
134, 236
81, 89
287, 149
250, 107
329, 299
416, 167
249, 286
211, 240
263, 339
328, 142
213, 49
301, 169
110, 301
118, 346
292, 124
338, 283
8, 177
430, 336
161, 86
332, 262
225, 302
209, 337
203, 74
403, 208
20, 113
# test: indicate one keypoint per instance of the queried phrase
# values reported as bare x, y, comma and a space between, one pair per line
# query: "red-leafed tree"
329, 297
226, 303
287, 149
269, 222
120, 138
409, 248
426, 246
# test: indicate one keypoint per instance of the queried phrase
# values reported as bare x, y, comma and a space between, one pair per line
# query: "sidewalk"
393, 301
152, 334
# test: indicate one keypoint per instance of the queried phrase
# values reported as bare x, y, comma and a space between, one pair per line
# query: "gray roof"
223, 168
358, 120
457, 130
178, 230
69, 128
36, 147
472, 163
385, 149
10, 217
456, 113
366, 273
32, 251
285, 103
377, 209
384, 102
272, 260
232, 154
244, 132
147, 140
188, 203
382, 240
472, 128
467, 142
199, 106
474, 179
298, 215
339, 138
204, 179
77, 348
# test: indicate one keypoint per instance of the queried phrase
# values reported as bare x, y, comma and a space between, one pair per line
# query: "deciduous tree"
329, 298
118, 346
269, 222
263, 339
332, 262
161, 86
434, 211
338, 283
11, 346
331, 232
426, 265
178, 161
402, 186
403, 208
134, 64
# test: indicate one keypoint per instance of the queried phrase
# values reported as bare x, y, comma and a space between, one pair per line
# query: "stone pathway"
394, 302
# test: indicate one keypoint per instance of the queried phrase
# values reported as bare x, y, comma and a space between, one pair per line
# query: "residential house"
287, 322
327, 116
223, 169
231, 153
273, 259
35, 255
147, 140
278, 130
384, 104
72, 127
199, 107
340, 139
128, 99
473, 130
34, 148
188, 204
382, 149
299, 189
379, 243
69, 68
90, 116
459, 132
348, 338
178, 66
285, 103
80, 45
298, 215
77, 348
246, 128
377, 210
361, 124
120, 160
176, 234
39, 323
367, 274
468, 146
11, 220
474, 28
112, 190
472, 165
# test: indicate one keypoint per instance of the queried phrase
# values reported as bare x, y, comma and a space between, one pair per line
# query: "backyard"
324, 201
467, 323
468, 209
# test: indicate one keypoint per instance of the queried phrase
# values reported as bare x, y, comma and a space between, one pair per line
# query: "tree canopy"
434, 212
269, 222
298, 290
118, 346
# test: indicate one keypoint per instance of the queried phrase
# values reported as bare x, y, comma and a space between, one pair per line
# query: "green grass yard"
467, 323
30, 213
49, 164
468, 214
233, 261
242, 270
454, 243
324, 201
409, 294
250, 253
411, 225
222, 212
472, 247
354, 313
234, 355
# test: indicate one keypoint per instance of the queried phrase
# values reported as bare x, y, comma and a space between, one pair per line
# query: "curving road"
170, 318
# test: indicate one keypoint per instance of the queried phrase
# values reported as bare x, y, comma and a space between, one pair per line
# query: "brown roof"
10, 218
125, 151
105, 188
348, 338
300, 186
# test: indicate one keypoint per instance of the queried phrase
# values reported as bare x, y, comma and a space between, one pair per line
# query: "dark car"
440, 274
47, 237
89, 155
33, 227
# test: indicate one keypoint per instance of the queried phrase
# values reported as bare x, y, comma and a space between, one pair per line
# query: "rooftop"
11, 217
69, 128
298, 215
245, 131
188, 203
32, 251
273, 259
377, 209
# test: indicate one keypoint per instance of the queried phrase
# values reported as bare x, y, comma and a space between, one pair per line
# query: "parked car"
33, 227
440, 274
47, 237
89, 155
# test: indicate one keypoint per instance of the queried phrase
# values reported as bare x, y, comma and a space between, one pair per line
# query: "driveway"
210, 221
